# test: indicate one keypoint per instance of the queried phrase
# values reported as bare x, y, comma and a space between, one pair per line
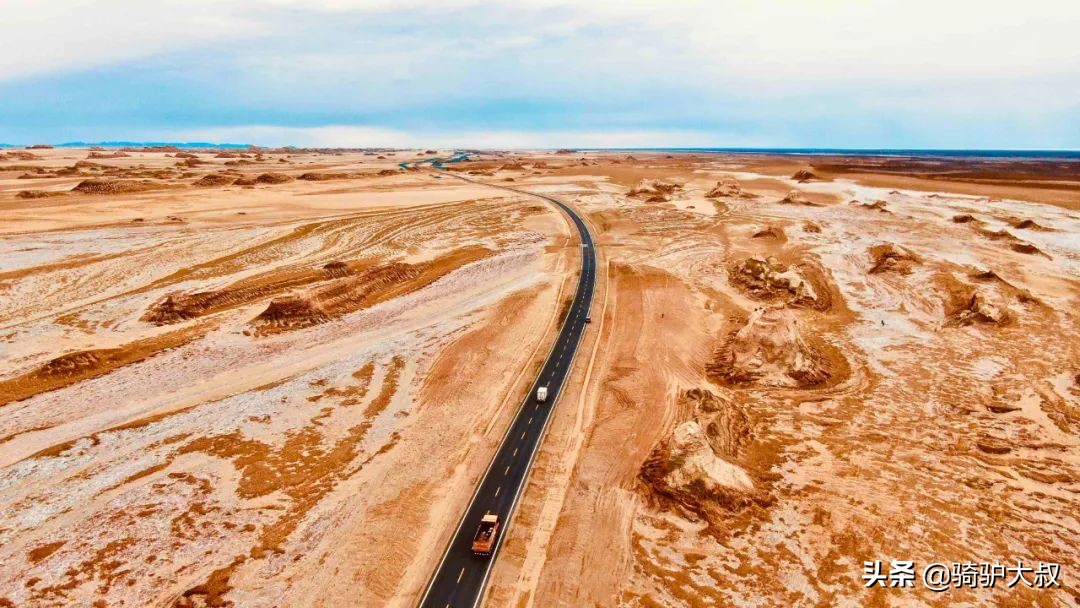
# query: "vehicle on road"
473, 549
588, 319
484, 541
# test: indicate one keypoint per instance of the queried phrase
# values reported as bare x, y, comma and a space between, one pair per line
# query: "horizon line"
749, 149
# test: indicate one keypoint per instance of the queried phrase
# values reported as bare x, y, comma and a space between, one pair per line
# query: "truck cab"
541, 394
484, 541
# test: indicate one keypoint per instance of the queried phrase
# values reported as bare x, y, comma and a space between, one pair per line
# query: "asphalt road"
460, 578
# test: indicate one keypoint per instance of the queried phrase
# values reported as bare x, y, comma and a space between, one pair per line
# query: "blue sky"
544, 73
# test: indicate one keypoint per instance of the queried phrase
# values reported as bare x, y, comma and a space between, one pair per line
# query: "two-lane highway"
459, 580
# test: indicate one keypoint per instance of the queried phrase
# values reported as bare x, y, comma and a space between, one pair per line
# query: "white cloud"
631, 69
752, 40
41, 36
349, 136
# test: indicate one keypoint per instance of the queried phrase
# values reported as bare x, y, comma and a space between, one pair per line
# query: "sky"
544, 73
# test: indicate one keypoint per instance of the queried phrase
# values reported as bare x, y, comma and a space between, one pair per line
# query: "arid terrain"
274, 377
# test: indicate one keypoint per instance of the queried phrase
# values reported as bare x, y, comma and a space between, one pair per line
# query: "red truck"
484, 541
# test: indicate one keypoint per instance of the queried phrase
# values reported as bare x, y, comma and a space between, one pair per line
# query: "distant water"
150, 144
901, 152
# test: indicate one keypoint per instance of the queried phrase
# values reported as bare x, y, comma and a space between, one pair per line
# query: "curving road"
459, 580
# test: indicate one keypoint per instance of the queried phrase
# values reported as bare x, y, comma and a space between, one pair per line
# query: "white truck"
541, 394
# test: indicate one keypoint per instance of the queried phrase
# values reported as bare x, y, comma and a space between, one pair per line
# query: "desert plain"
273, 377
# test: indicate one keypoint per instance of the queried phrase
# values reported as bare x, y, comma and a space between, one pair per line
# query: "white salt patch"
987, 368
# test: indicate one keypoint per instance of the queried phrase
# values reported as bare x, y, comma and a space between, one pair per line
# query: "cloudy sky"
544, 73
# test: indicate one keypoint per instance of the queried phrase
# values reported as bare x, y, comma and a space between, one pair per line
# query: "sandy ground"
261, 398
268, 391
786, 388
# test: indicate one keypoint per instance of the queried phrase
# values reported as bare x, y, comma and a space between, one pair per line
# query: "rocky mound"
890, 257
34, 172
984, 307
988, 275
108, 155
160, 174
85, 164
178, 306
356, 292
769, 232
993, 445
1027, 248
770, 350
113, 186
963, 218
700, 469
386, 172
33, 194
290, 312
998, 235
514, 166
76, 366
273, 178
796, 197
684, 471
767, 278
336, 269
878, 205
654, 190
341, 296
1030, 225
315, 176
215, 179
72, 364
19, 155
803, 176
726, 425
965, 304
811, 227
728, 188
